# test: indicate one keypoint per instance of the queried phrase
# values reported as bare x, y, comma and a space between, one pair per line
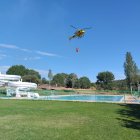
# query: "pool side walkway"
131, 100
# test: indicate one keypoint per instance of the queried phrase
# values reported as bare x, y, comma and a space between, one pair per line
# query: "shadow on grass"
130, 116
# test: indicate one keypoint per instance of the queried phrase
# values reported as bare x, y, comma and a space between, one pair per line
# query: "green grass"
56, 120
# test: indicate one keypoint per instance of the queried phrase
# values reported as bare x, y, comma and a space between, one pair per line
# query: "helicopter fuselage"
79, 33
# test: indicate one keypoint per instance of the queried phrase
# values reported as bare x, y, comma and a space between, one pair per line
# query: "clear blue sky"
35, 33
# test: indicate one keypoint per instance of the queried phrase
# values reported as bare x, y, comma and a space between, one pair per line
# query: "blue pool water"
92, 98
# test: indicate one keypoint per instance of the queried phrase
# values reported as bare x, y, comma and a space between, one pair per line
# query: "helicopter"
79, 33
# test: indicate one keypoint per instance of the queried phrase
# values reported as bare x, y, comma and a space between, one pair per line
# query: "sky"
35, 33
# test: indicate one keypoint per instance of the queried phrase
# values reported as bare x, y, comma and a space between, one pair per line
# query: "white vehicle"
15, 86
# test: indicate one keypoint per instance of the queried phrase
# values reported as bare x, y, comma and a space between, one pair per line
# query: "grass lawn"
56, 120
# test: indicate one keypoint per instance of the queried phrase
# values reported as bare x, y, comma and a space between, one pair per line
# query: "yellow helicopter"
79, 32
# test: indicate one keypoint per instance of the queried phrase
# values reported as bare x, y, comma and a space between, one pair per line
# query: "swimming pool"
89, 98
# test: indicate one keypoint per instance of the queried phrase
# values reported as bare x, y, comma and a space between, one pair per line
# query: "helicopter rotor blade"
87, 28
73, 27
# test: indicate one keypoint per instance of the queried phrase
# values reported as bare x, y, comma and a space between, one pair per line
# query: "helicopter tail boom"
72, 37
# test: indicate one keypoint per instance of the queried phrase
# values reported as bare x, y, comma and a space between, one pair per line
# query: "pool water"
92, 98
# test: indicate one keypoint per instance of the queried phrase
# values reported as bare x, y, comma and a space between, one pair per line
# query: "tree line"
105, 79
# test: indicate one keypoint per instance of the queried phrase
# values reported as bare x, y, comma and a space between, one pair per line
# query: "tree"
31, 78
33, 72
70, 81
104, 79
44, 81
130, 69
59, 79
84, 82
17, 70
28, 75
50, 76
120, 84
77, 83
